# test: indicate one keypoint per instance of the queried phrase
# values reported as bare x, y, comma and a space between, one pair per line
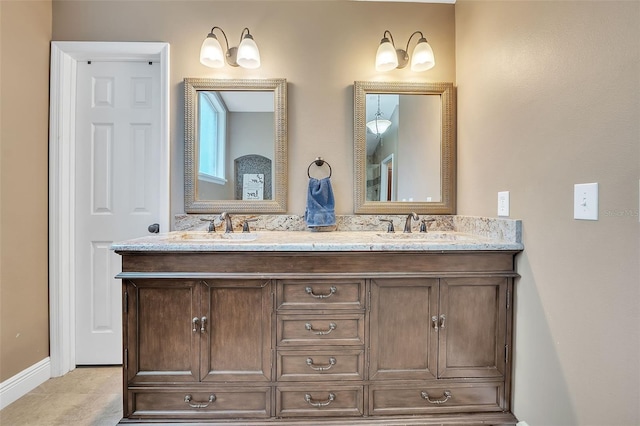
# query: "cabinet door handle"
195, 404
446, 396
318, 404
332, 362
194, 322
309, 327
434, 320
442, 320
332, 291
203, 321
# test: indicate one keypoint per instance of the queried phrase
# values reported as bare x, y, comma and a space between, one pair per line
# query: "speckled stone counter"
355, 233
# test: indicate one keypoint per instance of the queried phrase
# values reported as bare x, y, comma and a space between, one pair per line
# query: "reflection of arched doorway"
387, 190
253, 164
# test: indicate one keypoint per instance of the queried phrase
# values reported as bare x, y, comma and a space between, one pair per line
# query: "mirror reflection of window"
212, 131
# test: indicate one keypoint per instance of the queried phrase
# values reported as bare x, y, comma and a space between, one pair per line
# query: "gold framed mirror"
404, 148
235, 147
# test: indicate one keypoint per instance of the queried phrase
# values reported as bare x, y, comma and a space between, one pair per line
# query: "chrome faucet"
228, 225
407, 224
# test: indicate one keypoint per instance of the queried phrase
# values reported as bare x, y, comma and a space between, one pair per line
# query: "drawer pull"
309, 327
318, 404
332, 291
445, 398
195, 404
332, 362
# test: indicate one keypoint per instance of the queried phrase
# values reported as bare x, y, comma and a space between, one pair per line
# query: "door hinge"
126, 358
369, 300
125, 308
508, 299
506, 353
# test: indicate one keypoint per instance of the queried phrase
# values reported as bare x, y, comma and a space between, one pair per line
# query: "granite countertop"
202, 241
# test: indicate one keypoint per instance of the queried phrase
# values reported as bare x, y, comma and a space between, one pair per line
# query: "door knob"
154, 228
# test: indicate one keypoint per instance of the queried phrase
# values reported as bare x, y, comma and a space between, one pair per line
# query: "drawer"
436, 398
339, 329
320, 294
314, 365
319, 401
199, 403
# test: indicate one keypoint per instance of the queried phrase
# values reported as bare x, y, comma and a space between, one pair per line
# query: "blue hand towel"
320, 203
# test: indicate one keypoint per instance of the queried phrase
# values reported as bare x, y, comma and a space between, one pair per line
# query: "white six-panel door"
118, 189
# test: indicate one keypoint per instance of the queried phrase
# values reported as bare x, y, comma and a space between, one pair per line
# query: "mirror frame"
447, 203
278, 204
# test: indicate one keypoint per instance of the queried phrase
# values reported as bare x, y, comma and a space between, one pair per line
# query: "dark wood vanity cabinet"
305, 338
178, 352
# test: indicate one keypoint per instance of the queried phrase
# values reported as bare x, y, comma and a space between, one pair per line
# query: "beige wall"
320, 47
25, 32
549, 96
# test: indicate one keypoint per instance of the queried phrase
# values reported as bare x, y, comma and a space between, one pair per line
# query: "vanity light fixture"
379, 124
389, 58
246, 55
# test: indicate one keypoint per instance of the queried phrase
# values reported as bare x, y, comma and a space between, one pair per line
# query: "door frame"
62, 179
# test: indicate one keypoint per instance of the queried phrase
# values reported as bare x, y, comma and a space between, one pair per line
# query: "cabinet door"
472, 322
404, 345
236, 344
159, 338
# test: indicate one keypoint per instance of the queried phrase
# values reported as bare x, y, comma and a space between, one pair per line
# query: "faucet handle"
212, 224
245, 225
390, 226
423, 224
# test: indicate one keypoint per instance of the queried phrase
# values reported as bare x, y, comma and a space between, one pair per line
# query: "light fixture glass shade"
422, 58
386, 57
378, 126
248, 53
211, 54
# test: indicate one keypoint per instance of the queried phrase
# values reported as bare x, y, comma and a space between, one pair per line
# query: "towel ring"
318, 162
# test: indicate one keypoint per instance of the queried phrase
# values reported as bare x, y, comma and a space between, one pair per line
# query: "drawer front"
319, 401
436, 398
320, 365
320, 294
200, 403
343, 329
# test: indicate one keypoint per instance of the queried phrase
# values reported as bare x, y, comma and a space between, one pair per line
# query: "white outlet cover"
585, 201
503, 203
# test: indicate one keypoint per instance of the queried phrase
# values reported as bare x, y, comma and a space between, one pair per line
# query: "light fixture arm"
384, 35
226, 40
242, 35
411, 36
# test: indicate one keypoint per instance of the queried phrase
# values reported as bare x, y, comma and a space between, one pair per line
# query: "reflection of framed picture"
252, 186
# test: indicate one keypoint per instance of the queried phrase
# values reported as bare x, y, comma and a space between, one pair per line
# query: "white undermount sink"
195, 236
424, 236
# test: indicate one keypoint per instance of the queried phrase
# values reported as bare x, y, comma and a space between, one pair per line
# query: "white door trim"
64, 58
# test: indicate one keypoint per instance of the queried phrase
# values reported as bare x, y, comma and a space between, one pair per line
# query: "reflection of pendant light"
379, 124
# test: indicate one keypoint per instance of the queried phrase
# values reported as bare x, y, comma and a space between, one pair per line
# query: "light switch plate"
503, 203
585, 201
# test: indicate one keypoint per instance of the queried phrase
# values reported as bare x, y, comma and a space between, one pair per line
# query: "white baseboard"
25, 381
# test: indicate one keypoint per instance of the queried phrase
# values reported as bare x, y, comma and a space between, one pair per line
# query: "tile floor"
87, 396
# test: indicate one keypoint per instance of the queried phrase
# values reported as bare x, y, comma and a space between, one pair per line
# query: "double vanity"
283, 326
297, 327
